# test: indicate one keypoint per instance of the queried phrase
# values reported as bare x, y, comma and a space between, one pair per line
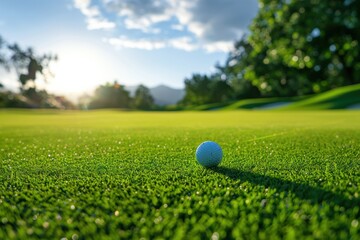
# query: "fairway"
133, 175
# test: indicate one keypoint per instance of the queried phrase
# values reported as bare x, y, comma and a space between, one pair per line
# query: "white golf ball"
209, 154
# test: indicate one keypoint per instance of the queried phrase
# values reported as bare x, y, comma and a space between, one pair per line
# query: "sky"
131, 41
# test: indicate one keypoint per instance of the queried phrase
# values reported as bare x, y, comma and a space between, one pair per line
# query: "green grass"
338, 98
132, 175
210, 106
259, 102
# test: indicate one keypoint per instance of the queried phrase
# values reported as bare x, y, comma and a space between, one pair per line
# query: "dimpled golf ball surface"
209, 154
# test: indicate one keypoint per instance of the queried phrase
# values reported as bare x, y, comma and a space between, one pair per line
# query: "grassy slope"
334, 99
132, 175
256, 103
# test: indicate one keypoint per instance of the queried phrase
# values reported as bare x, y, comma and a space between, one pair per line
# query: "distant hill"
162, 94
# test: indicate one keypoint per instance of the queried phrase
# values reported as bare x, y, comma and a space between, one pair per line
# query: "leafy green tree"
143, 99
111, 95
203, 89
302, 47
220, 90
234, 71
197, 89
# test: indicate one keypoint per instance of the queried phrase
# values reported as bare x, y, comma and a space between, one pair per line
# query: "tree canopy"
203, 89
143, 99
110, 95
293, 48
304, 47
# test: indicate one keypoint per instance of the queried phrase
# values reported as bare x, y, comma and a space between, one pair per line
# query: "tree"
234, 71
143, 99
302, 47
3, 61
27, 64
203, 89
197, 89
110, 96
220, 90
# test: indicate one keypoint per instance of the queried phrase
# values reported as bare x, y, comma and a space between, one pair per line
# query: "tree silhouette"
143, 99
27, 64
110, 95
203, 89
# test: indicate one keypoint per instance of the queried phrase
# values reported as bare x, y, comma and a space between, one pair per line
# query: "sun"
79, 69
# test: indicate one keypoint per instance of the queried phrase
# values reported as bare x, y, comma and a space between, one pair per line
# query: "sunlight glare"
78, 70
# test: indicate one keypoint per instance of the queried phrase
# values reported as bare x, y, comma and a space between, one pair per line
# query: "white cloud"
183, 43
141, 14
96, 23
215, 20
94, 18
142, 24
86, 9
124, 42
212, 25
219, 46
81, 4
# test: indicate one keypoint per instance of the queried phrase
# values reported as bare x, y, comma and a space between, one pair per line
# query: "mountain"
162, 94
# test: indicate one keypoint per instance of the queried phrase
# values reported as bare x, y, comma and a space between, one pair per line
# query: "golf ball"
209, 154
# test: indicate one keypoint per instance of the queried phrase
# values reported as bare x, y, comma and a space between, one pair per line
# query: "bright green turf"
335, 99
339, 98
133, 175
258, 102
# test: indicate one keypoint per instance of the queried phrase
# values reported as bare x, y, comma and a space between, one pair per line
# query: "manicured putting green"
133, 175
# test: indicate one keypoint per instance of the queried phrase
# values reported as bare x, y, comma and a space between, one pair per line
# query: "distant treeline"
114, 95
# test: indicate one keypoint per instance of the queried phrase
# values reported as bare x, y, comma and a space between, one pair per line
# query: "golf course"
133, 175
180, 120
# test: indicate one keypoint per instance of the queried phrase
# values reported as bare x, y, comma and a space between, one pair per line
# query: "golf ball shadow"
209, 154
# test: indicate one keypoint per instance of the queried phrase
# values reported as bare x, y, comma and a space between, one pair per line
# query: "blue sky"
133, 41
